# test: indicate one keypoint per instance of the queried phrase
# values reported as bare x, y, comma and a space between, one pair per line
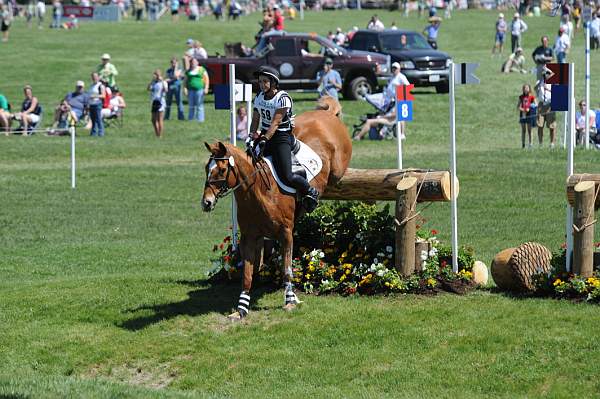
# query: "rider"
273, 108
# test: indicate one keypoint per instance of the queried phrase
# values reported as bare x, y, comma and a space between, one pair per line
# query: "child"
526, 108
241, 124
431, 31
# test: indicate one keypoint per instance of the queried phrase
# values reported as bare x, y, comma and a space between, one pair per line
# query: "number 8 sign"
404, 111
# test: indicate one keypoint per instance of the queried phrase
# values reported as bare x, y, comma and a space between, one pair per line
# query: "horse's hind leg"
287, 241
251, 250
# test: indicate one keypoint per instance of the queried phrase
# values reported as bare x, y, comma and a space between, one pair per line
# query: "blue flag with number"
221, 96
559, 101
404, 111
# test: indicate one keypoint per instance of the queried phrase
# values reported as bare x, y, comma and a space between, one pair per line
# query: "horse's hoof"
288, 307
235, 316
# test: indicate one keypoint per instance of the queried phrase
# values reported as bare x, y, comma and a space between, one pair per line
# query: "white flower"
325, 282
380, 273
375, 260
424, 266
423, 255
321, 254
389, 248
380, 254
313, 253
433, 252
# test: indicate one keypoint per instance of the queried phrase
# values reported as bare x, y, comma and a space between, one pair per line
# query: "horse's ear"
222, 148
208, 147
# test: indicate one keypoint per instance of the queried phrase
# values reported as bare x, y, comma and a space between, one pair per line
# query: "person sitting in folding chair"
31, 113
64, 118
114, 111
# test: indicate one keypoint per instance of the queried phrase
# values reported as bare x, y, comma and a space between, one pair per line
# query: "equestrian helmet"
269, 71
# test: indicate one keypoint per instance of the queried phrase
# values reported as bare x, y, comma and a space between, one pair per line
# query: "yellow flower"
387, 284
431, 282
307, 276
344, 254
557, 282
347, 271
311, 268
343, 277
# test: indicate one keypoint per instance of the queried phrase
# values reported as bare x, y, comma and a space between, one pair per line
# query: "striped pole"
453, 209
570, 146
72, 131
587, 85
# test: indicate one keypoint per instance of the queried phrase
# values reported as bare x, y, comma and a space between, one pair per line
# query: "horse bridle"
221, 184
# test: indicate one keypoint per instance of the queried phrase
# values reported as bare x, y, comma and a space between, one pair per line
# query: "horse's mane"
330, 104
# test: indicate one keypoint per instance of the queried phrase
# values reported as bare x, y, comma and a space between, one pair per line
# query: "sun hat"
396, 65
500, 15
80, 83
106, 56
517, 15
189, 41
328, 61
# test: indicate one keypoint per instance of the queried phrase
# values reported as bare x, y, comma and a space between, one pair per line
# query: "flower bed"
348, 248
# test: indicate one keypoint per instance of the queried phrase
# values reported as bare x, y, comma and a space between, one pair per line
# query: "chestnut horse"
264, 210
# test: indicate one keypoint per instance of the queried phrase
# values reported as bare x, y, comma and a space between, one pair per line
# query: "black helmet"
268, 71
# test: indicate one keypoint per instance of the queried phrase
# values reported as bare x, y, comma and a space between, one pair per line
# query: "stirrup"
243, 304
311, 200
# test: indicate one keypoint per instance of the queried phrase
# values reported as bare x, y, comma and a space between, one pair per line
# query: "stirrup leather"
243, 304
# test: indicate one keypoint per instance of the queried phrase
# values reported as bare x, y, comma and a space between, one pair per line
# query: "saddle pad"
310, 161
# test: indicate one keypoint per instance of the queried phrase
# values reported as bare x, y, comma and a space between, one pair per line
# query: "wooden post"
419, 248
579, 177
406, 194
583, 226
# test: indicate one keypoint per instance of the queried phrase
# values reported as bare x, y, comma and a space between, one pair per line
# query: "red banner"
403, 92
78, 11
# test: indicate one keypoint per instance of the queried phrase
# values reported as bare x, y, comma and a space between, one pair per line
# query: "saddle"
305, 162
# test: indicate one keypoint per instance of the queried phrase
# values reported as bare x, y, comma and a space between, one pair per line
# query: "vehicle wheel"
442, 88
359, 87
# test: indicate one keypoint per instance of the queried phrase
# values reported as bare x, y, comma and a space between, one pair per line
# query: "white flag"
463, 74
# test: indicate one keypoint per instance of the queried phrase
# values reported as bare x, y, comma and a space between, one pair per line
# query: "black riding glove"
260, 143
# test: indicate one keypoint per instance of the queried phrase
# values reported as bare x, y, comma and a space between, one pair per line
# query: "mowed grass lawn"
103, 291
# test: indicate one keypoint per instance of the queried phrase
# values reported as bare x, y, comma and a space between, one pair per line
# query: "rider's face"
264, 83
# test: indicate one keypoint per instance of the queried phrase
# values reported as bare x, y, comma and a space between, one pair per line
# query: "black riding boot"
311, 200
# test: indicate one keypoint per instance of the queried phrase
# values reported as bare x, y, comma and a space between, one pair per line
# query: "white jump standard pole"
570, 145
399, 137
454, 213
232, 128
72, 131
587, 85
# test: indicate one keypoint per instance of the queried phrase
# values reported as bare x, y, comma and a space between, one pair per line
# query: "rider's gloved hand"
261, 143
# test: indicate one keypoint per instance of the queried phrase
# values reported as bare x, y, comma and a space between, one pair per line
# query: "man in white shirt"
562, 46
340, 37
517, 27
595, 32
397, 79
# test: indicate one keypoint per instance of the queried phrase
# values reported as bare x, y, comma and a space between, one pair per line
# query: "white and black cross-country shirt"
266, 109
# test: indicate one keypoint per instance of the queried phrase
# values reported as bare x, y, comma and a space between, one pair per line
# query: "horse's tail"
330, 104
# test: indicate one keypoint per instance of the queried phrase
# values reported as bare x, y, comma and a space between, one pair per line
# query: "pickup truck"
298, 57
420, 63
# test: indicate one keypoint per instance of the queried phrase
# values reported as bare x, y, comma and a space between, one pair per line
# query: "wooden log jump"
380, 185
577, 178
406, 187
583, 226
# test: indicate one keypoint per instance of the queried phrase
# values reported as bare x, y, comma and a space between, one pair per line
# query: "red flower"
434, 232
221, 246
227, 258
227, 239
444, 264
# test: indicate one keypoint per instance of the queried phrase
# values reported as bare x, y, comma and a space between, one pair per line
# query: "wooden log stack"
406, 187
380, 185
578, 178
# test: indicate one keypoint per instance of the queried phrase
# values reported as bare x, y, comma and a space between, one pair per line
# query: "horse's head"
221, 175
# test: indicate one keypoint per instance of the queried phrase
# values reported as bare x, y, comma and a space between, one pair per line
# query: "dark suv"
422, 65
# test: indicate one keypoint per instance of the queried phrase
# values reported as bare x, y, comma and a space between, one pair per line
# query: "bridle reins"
222, 185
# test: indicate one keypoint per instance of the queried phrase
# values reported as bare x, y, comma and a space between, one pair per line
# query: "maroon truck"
298, 57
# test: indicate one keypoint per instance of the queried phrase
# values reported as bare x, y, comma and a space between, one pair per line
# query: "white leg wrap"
243, 304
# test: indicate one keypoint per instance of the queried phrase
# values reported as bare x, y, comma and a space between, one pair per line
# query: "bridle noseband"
221, 184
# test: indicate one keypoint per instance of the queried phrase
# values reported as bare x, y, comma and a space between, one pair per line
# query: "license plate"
434, 78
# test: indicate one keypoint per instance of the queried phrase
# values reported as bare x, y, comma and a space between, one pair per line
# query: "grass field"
102, 289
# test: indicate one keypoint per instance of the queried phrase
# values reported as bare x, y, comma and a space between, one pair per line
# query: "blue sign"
404, 111
560, 98
221, 96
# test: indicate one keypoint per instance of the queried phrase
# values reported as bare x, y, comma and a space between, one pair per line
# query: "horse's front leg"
287, 241
250, 249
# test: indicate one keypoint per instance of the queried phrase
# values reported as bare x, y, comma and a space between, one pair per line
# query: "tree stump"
406, 196
513, 268
583, 220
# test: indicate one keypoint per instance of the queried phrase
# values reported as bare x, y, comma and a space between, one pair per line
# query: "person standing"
541, 56
40, 10
500, 34
545, 116
526, 107
96, 94
595, 32
158, 90
174, 10
431, 31
57, 12
196, 83
330, 81
517, 28
398, 79
107, 71
5, 21
174, 77
562, 46
278, 19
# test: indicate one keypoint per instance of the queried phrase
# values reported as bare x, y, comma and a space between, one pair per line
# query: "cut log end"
406, 183
584, 186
